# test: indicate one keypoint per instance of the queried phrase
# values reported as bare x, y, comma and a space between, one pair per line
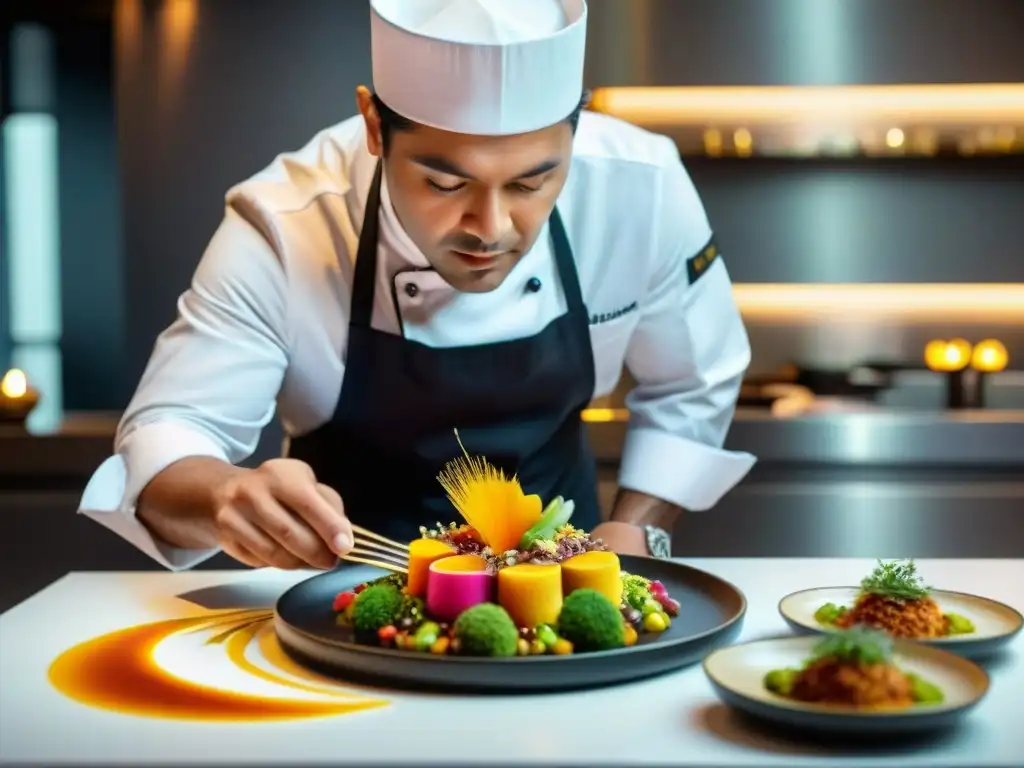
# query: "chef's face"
472, 204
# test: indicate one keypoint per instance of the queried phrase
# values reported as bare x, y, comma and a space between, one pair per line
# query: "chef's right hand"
278, 515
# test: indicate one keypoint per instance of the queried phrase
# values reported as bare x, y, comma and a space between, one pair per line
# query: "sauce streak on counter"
118, 672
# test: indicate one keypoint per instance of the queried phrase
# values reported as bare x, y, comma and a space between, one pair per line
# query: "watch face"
659, 542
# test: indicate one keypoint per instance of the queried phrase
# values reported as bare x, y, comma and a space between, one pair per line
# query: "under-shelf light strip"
981, 302
921, 104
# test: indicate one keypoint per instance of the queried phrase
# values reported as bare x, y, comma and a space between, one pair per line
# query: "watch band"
659, 542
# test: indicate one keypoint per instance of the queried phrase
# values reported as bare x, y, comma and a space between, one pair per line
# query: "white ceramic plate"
995, 624
737, 674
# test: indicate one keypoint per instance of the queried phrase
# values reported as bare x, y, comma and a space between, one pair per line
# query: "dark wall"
829, 42
198, 115
92, 259
808, 42
195, 118
76, 85
867, 221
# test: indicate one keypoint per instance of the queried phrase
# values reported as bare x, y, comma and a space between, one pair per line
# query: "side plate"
995, 624
737, 675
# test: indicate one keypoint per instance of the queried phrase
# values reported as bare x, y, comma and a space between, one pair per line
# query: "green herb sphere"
591, 622
486, 629
376, 607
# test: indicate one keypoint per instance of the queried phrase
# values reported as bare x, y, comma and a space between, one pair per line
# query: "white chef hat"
483, 67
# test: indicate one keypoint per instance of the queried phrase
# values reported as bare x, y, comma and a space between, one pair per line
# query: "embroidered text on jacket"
613, 315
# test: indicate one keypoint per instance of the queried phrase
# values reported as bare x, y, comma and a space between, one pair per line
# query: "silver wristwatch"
659, 542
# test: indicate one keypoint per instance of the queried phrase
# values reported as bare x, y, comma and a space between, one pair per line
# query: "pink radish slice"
457, 583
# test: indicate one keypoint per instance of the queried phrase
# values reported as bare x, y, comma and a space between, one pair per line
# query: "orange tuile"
493, 505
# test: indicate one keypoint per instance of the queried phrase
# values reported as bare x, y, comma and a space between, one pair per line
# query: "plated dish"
853, 680
853, 668
512, 597
894, 599
513, 579
555, 592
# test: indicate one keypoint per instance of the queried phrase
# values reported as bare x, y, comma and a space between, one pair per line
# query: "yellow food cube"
595, 570
531, 593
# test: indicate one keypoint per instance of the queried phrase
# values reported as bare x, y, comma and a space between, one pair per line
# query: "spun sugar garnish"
491, 503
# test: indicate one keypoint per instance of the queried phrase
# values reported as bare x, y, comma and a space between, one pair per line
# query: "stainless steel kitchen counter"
891, 484
892, 437
836, 486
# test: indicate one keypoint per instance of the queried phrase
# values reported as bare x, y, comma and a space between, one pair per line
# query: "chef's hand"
622, 538
278, 515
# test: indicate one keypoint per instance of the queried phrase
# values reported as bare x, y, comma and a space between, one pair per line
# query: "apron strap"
566, 265
364, 282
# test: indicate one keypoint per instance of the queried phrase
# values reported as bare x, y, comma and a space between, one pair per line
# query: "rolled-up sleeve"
210, 386
688, 355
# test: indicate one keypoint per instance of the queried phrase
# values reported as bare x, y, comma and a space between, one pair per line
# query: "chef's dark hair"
392, 121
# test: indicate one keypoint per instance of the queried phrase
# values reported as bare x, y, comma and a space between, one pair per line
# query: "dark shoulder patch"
700, 262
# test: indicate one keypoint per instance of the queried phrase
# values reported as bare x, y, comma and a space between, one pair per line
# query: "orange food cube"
422, 554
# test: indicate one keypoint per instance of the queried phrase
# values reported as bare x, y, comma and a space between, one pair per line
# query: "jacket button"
533, 284
411, 289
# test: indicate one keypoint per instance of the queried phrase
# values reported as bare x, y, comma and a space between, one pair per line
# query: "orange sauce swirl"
118, 672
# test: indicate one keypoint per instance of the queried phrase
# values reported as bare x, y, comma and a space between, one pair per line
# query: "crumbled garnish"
566, 542
542, 552
462, 538
546, 545
567, 531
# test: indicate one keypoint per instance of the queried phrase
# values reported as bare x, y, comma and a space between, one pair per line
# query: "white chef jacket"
264, 324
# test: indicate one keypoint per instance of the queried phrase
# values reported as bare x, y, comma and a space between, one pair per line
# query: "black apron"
517, 403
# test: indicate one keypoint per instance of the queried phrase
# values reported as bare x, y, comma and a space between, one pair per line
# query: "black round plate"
711, 615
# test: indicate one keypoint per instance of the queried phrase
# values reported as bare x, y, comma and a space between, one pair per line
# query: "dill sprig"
895, 580
857, 644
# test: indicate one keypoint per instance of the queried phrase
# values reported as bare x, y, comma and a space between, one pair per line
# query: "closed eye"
518, 187
442, 189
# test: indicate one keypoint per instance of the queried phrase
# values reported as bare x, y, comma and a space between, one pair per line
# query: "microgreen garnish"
858, 644
898, 581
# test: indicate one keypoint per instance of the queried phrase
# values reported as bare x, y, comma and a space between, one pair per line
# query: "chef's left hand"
622, 538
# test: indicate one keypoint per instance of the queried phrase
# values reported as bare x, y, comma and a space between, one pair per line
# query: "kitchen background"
858, 225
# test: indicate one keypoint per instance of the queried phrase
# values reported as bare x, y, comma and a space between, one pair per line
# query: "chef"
473, 252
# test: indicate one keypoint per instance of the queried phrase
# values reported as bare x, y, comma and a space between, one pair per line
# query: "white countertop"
671, 720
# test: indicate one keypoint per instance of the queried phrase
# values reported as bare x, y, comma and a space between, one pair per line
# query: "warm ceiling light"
713, 141
947, 356
743, 141
990, 356
935, 354
889, 104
